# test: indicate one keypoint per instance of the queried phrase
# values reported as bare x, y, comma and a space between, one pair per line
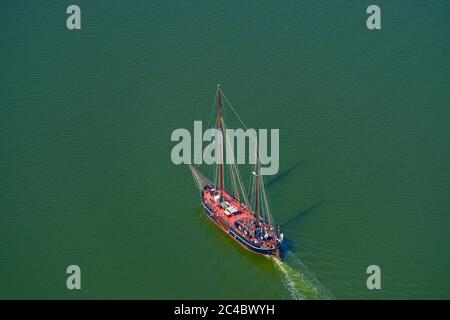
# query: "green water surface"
86, 176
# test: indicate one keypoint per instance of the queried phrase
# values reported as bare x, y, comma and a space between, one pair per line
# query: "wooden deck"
242, 220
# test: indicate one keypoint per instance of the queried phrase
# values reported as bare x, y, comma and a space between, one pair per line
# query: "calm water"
85, 169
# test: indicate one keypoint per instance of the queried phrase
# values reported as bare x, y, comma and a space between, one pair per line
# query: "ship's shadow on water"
283, 175
302, 213
288, 244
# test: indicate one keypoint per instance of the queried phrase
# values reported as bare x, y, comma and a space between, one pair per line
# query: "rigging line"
234, 111
229, 161
242, 122
232, 169
265, 199
250, 184
212, 111
207, 126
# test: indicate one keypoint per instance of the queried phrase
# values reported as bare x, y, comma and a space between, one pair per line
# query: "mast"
219, 127
257, 183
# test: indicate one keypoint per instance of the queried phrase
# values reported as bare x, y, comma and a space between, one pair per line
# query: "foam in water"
299, 281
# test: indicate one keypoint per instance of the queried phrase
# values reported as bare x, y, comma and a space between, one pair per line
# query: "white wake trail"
299, 281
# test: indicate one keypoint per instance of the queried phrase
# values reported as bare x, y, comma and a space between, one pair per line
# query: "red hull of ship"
232, 217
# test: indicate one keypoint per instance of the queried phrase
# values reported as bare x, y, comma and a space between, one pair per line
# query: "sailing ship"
245, 219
